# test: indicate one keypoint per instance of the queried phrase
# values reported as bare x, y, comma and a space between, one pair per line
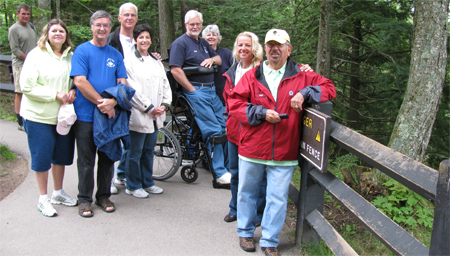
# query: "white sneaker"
113, 188
47, 208
122, 182
63, 198
224, 179
139, 193
154, 190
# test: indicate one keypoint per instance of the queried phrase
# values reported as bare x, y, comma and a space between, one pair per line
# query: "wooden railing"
431, 184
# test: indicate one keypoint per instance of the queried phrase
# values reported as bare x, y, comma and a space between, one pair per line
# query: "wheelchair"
180, 141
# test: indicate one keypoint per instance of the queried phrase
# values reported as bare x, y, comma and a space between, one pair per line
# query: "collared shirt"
273, 77
128, 45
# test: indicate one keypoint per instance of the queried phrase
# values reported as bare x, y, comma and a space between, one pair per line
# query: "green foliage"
404, 206
345, 161
79, 34
6, 152
5, 102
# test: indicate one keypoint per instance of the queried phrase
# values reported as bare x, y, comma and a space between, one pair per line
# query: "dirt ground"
12, 172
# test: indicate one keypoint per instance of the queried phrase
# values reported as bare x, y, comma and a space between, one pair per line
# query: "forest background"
366, 53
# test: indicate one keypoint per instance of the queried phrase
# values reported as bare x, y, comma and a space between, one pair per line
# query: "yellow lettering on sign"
307, 122
318, 136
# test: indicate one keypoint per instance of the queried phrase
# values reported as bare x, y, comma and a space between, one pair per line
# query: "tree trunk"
42, 19
412, 129
353, 114
58, 9
166, 25
184, 10
324, 43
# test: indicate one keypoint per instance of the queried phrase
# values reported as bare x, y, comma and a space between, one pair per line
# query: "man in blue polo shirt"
96, 66
190, 50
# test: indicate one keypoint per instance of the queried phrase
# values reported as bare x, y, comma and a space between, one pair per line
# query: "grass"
6, 152
7, 100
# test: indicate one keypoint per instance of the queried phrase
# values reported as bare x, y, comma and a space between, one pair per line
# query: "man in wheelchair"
190, 50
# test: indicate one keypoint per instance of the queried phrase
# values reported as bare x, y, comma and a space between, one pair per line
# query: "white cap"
66, 118
279, 35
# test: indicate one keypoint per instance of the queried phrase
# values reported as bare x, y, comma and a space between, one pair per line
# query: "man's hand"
157, 55
72, 95
106, 106
306, 68
297, 102
207, 63
272, 116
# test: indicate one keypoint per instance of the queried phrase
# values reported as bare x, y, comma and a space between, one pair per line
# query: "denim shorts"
47, 146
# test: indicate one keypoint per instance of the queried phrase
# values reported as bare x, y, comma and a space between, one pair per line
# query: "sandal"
105, 203
84, 208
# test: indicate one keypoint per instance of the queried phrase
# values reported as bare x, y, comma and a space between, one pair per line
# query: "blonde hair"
44, 35
257, 50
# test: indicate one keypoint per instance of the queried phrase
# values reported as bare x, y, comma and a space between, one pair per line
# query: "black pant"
86, 151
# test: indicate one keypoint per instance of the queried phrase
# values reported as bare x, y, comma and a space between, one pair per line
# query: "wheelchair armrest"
218, 139
200, 70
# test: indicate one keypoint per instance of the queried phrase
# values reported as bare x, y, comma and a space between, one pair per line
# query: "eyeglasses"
273, 44
99, 26
195, 24
132, 15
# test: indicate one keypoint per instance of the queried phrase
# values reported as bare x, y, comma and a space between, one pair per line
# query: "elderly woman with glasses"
212, 35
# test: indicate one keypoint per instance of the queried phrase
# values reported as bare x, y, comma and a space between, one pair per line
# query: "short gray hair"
192, 14
125, 5
101, 14
212, 29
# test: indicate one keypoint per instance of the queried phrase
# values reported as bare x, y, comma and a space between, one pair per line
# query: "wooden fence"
431, 184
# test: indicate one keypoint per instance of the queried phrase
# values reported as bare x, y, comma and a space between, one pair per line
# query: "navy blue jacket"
108, 132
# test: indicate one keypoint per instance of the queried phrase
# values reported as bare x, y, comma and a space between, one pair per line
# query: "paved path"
187, 219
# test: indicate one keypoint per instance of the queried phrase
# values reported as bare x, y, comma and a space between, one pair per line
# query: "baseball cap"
66, 118
279, 35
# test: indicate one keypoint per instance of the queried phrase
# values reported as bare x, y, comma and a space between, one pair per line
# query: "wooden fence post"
440, 236
311, 195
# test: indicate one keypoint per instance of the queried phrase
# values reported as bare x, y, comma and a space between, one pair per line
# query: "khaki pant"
16, 75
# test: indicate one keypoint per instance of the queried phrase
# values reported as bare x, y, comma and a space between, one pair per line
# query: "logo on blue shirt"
110, 63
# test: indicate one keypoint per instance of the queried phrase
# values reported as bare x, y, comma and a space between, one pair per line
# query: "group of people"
116, 97
259, 158
262, 148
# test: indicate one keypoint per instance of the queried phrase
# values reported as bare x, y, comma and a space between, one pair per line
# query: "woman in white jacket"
152, 98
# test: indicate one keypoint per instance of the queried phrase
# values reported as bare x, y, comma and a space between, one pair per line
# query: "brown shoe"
246, 243
270, 251
230, 218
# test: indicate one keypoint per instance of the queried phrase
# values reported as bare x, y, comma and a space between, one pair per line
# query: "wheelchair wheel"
167, 158
189, 174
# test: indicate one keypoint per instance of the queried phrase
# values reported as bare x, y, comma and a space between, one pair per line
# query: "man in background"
22, 39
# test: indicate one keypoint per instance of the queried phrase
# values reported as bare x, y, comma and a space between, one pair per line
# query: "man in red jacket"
268, 142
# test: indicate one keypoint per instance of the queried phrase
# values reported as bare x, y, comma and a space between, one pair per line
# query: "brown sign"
314, 141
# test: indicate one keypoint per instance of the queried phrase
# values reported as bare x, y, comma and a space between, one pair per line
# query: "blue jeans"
139, 161
86, 150
120, 170
250, 178
234, 170
209, 118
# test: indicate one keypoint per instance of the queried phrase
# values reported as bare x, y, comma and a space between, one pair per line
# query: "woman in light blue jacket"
153, 96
